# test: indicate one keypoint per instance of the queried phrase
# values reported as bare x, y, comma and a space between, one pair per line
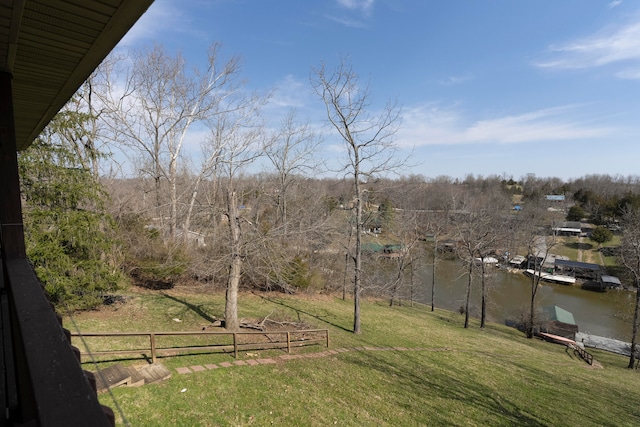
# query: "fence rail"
584, 354
298, 338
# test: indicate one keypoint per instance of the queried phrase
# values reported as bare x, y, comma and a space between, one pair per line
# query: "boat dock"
553, 278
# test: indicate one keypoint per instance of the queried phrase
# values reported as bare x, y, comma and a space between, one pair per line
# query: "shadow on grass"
443, 382
299, 311
197, 309
146, 356
580, 246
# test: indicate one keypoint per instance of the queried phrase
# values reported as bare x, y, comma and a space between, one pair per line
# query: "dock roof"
577, 264
560, 314
611, 279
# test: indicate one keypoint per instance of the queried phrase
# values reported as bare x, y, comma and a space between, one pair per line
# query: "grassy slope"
467, 377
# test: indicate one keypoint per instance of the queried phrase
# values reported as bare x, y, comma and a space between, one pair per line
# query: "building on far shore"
568, 228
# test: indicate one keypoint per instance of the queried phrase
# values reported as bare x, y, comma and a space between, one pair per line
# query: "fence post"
288, 342
326, 331
152, 338
235, 346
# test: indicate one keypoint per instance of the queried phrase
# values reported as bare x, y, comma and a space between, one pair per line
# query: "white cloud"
363, 5
629, 74
162, 17
433, 125
362, 10
542, 125
347, 22
428, 125
290, 92
614, 4
157, 18
454, 80
607, 47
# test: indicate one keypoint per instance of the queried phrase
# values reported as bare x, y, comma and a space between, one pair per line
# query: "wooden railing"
584, 354
44, 384
298, 338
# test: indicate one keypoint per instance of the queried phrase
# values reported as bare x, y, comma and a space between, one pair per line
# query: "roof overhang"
51, 47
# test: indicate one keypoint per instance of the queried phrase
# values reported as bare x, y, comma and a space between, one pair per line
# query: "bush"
601, 235
576, 213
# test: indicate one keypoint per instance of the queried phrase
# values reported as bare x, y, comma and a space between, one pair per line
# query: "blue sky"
487, 87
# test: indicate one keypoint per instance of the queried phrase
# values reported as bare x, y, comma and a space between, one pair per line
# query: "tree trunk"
483, 310
532, 306
344, 280
284, 214
634, 332
173, 208
159, 213
187, 221
235, 267
396, 285
535, 282
346, 266
411, 296
358, 258
466, 305
433, 275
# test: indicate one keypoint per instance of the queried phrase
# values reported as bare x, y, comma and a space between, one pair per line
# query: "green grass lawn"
570, 246
466, 377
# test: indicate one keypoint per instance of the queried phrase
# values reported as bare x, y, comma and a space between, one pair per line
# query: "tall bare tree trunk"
395, 290
368, 139
358, 254
412, 290
235, 267
634, 332
187, 221
483, 303
344, 280
532, 306
173, 194
433, 275
468, 298
158, 210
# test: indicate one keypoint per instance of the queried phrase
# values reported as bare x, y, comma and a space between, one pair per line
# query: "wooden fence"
289, 339
584, 354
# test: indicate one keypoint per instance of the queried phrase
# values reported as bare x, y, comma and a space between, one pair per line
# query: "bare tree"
436, 225
236, 141
291, 152
630, 256
407, 234
539, 241
477, 228
156, 105
368, 139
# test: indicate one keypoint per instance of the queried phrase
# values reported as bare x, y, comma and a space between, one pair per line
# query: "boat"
487, 260
552, 278
557, 339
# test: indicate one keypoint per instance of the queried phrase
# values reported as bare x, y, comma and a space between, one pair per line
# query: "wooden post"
288, 342
235, 345
152, 338
12, 233
326, 331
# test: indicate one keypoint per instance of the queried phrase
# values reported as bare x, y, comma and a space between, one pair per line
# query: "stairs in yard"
119, 375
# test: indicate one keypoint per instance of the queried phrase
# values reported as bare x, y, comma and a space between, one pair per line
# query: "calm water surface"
604, 314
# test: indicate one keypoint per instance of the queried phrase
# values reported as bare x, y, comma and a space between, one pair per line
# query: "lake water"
605, 314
